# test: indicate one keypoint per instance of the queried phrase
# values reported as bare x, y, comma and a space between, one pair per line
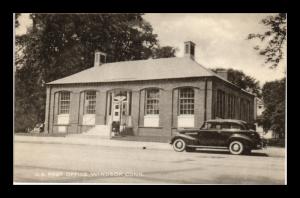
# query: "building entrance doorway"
120, 118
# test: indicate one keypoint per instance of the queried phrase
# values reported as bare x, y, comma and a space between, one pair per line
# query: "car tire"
236, 147
179, 145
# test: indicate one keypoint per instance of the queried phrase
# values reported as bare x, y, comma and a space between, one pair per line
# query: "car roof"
227, 121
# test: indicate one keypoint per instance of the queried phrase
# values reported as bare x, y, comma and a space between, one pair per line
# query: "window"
209, 125
110, 103
225, 126
220, 104
242, 109
245, 109
231, 106
90, 102
236, 126
186, 101
213, 126
152, 101
186, 48
248, 110
64, 102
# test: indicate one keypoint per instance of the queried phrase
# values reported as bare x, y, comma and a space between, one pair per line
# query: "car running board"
212, 147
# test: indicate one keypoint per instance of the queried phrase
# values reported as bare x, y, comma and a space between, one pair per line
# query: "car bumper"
261, 144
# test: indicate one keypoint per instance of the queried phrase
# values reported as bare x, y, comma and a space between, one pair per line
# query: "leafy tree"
275, 37
273, 117
243, 81
164, 52
58, 45
17, 23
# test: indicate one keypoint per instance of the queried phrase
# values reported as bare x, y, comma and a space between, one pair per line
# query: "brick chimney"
189, 50
100, 58
223, 73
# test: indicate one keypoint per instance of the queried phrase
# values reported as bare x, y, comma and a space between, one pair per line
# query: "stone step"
99, 130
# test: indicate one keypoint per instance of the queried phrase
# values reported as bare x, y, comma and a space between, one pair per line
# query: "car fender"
183, 136
241, 137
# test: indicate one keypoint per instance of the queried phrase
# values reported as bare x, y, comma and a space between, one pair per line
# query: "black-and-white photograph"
150, 98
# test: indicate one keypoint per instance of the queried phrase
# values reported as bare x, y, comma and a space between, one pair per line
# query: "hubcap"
179, 144
236, 147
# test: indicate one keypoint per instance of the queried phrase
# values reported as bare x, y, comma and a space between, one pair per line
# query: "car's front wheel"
179, 145
236, 147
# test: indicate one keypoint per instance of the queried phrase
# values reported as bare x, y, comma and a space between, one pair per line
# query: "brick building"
151, 97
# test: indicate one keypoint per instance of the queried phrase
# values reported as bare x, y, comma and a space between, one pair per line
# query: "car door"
224, 134
210, 134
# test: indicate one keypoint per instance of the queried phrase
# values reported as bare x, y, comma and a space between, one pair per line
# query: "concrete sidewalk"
95, 141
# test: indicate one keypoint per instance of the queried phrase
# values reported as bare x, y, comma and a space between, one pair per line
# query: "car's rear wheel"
236, 147
179, 145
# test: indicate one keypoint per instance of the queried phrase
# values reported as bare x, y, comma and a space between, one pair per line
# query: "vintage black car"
236, 135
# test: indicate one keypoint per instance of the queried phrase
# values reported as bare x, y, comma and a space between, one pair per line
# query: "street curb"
114, 143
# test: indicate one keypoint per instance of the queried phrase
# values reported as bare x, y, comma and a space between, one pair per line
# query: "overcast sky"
220, 40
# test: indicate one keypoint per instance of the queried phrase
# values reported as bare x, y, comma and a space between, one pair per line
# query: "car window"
225, 126
207, 126
211, 125
236, 126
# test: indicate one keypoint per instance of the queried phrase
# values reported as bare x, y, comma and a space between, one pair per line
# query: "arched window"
64, 102
186, 101
90, 102
152, 101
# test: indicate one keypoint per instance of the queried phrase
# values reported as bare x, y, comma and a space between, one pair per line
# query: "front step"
99, 130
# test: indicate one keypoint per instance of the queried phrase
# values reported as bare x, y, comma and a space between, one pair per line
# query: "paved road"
36, 162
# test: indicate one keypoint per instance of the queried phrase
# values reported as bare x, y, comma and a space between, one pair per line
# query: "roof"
137, 70
150, 69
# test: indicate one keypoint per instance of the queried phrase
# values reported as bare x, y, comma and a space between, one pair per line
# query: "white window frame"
152, 103
151, 117
186, 103
88, 99
186, 108
64, 102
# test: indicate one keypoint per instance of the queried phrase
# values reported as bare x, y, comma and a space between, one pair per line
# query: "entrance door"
116, 112
120, 109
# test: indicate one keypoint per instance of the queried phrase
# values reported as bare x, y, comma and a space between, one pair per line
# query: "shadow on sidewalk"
227, 152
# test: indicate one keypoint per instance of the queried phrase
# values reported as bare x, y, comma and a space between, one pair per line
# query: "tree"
17, 23
275, 37
243, 81
273, 117
58, 45
164, 52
